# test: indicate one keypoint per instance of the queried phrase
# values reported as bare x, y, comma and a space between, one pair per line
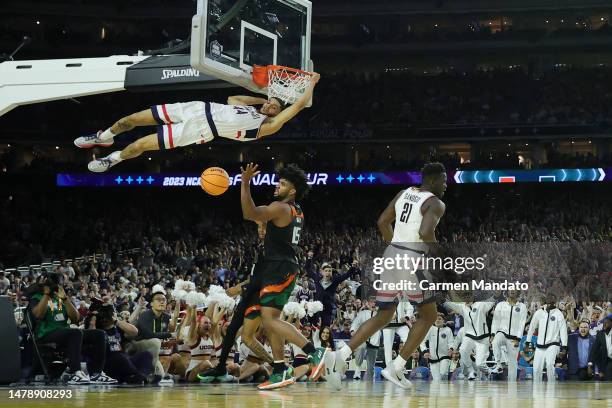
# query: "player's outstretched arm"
289, 113
263, 213
245, 100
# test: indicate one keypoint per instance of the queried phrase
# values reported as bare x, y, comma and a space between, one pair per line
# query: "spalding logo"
443, 335
517, 309
552, 318
179, 73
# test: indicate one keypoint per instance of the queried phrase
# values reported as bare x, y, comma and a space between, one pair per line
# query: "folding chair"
44, 353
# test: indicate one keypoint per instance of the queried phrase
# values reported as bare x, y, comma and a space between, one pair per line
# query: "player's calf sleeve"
309, 348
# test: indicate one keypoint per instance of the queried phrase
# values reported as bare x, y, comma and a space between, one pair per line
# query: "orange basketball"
214, 180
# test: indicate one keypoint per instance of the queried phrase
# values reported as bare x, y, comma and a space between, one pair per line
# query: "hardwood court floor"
353, 395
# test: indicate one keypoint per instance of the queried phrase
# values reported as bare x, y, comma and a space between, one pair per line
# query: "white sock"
115, 156
345, 352
107, 135
399, 364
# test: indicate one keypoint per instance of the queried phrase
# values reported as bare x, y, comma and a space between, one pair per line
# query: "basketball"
214, 180
489, 157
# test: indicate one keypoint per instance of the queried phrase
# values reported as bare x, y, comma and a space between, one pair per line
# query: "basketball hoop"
284, 83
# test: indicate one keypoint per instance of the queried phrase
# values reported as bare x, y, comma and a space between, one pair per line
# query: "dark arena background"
119, 287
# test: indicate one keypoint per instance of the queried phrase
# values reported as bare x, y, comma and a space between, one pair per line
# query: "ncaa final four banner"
356, 179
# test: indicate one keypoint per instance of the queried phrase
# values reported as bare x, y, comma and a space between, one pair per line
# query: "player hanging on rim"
416, 212
285, 221
184, 124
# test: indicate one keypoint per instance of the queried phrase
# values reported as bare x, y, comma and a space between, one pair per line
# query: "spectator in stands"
154, 326
345, 334
418, 365
126, 369
601, 354
454, 362
4, 283
326, 284
369, 350
579, 348
326, 338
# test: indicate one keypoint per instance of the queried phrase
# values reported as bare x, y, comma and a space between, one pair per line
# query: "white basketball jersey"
408, 215
205, 348
236, 122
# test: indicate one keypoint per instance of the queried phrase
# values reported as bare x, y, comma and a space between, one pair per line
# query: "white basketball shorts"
181, 124
408, 277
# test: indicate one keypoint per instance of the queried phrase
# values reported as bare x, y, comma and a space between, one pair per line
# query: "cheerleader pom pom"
215, 290
179, 294
179, 284
191, 298
314, 307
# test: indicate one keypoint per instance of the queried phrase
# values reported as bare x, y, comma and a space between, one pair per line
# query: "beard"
280, 196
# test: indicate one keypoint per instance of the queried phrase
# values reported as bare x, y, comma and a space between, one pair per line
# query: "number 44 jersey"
281, 243
408, 215
239, 123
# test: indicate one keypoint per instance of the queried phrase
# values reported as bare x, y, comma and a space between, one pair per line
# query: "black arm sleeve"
341, 278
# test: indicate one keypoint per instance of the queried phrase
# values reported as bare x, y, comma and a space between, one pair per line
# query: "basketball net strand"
287, 85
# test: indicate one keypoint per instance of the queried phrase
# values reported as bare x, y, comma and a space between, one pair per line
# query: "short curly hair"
297, 177
432, 170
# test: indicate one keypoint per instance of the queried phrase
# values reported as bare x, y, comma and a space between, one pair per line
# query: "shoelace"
105, 162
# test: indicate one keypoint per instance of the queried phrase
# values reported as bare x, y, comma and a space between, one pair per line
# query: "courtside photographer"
52, 309
126, 369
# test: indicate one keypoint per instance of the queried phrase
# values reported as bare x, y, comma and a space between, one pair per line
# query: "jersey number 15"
406, 212
296, 235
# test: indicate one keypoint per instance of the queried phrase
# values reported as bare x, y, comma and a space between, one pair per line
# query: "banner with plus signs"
347, 178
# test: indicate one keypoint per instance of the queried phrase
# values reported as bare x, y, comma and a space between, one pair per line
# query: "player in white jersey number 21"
416, 212
183, 124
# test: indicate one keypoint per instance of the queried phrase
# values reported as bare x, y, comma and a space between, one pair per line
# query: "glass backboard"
229, 36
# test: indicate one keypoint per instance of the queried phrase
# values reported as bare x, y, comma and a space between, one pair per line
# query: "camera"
50, 279
104, 313
53, 281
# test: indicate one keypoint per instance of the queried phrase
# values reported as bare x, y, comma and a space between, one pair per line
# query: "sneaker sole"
393, 379
318, 370
103, 383
281, 384
89, 146
98, 170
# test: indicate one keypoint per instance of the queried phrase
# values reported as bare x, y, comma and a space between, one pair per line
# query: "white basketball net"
287, 85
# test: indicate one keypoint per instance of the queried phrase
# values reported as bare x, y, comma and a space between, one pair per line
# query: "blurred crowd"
186, 237
396, 30
353, 104
516, 96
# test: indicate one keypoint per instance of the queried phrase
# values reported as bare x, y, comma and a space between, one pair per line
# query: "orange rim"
260, 73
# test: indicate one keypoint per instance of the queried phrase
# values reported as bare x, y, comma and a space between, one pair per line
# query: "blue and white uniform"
183, 124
